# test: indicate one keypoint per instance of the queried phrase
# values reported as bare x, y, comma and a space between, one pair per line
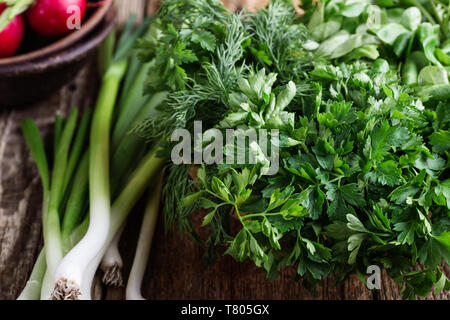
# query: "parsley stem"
240, 217
336, 179
260, 215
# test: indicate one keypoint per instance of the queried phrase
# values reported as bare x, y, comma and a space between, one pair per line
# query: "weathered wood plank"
127, 7
391, 290
152, 6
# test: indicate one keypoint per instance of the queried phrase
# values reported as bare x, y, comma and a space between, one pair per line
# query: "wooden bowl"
30, 77
90, 23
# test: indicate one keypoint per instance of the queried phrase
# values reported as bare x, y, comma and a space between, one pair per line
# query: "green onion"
72, 267
140, 180
106, 52
36, 145
52, 193
133, 102
32, 290
57, 132
130, 149
51, 217
78, 145
134, 284
112, 263
76, 203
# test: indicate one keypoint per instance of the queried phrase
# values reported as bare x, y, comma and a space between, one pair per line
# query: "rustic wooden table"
175, 268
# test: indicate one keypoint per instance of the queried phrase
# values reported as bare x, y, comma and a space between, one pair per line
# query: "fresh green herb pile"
358, 91
412, 35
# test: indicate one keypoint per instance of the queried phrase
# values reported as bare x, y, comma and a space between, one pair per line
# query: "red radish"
11, 36
56, 18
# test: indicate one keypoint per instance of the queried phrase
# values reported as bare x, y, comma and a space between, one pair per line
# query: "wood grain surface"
175, 267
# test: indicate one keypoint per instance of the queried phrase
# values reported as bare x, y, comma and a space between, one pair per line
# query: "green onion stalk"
69, 274
76, 204
127, 149
112, 263
148, 226
36, 145
71, 231
33, 287
64, 166
32, 290
85, 241
74, 274
128, 153
150, 166
53, 190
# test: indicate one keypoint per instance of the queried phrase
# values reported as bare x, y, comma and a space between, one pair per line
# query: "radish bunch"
47, 18
11, 36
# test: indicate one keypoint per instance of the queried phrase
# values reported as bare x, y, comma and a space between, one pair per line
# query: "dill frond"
178, 184
276, 33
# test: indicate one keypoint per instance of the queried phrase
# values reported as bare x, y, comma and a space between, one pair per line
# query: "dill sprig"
277, 41
182, 13
205, 87
178, 185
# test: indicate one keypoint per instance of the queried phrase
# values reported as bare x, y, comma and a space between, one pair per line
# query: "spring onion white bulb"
123, 205
112, 263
